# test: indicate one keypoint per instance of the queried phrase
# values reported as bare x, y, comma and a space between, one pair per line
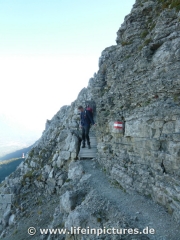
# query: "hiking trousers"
85, 134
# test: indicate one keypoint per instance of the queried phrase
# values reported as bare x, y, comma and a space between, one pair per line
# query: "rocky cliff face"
138, 83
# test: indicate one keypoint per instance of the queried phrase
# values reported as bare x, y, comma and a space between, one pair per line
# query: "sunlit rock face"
138, 85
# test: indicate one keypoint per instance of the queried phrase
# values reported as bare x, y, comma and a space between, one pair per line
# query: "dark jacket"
86, 118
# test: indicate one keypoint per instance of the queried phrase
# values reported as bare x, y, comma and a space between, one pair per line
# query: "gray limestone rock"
75, 170
12, 219
68, 201
138, 84
6, 216
76, 219
65, 155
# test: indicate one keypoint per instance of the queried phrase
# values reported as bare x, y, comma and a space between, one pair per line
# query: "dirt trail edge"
99, 203
143, 210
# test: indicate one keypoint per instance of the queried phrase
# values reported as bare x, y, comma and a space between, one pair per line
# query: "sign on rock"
118, 125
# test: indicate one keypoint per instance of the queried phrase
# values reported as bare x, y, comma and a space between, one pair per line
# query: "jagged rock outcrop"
138, 83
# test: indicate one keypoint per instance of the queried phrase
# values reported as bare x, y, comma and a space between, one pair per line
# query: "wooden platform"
89, 153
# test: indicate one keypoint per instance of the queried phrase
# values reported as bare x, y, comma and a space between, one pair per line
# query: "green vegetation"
126, 43
106, 113
146, 103
39, 212
149, 196
176, 98
68, 180
170, 210
31, 154
170, 4
118, 185
176, 199
127, 56
99, 219
39, 178
144, 34
28, 175
152, 26
145, 43
140, 47
104, 69
15, 232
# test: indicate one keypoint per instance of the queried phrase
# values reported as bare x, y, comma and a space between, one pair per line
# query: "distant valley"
13, 136
14, 141
7, 167
11, 161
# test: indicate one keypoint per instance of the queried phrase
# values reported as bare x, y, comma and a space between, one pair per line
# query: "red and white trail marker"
118, 125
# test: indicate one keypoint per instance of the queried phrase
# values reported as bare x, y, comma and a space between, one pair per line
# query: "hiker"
86, 120
89, 109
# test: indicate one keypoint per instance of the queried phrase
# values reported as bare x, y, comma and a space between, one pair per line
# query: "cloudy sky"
48, 51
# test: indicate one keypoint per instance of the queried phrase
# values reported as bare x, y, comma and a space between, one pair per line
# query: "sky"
49, 49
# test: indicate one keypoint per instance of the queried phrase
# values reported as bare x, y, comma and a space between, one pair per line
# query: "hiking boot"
89, 146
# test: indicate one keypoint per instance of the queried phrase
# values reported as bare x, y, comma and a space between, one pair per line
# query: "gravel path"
138, 210
142, 209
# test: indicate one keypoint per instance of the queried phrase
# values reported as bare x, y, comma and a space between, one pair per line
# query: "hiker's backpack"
88, 108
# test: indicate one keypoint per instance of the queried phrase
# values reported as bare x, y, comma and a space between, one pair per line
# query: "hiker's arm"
80, 121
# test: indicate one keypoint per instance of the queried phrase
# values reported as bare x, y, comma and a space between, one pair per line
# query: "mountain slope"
138, 84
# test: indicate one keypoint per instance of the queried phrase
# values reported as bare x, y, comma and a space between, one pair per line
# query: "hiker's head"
80, 108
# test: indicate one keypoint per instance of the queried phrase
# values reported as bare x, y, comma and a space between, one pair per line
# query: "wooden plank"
86, 148
87, 156
89, 150
92, 145
89, 153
